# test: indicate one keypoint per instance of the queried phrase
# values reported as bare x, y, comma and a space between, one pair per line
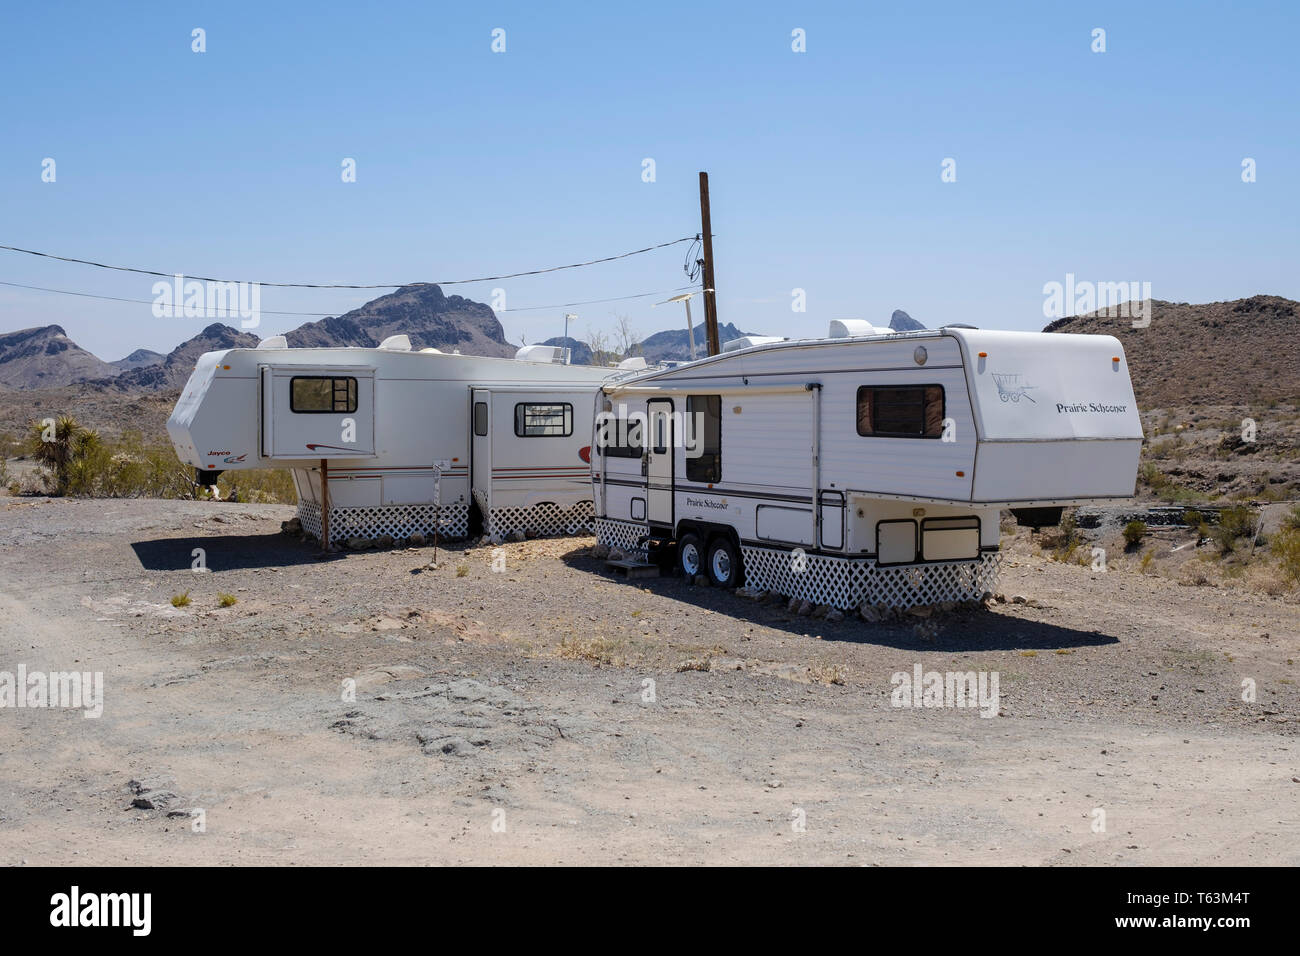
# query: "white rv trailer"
365, 428
868, 467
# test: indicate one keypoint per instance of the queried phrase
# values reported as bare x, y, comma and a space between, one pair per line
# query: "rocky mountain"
174, 370
1215, 353
431, 319
672, 345
138, 359
900, 321
46, 358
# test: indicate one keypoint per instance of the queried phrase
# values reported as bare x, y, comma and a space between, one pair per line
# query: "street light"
567, 316
685, 297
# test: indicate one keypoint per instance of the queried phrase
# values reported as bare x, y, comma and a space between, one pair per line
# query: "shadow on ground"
227, 552
965, 630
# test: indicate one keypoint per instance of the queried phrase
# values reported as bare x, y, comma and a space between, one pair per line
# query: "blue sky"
824, 165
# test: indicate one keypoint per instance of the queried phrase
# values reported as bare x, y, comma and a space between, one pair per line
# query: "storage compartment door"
896, 542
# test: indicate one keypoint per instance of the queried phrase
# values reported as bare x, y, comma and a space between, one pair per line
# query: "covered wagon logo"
1012, 387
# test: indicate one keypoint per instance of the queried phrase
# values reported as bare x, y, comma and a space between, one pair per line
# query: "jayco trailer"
867, 467
391, 441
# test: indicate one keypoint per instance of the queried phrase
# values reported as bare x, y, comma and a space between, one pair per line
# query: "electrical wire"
621, 298
694, 263
114, 298
324, 285
530, 308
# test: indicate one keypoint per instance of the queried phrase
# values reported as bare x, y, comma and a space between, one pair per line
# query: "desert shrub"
181, 600
226, 600
78, 462
1162, 486
1234, 524
1285, 546
1134, 531
1291, 520
262, 486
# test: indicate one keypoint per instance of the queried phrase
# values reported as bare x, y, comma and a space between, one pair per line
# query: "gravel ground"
376, 708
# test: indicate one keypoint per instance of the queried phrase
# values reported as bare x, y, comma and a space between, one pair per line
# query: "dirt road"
550, 713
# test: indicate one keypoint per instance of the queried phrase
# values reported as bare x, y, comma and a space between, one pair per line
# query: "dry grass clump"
598, 650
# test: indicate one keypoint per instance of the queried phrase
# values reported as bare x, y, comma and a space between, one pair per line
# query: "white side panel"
408, 488
925, 467
355, 492
1037, 471
766, 442
782, 525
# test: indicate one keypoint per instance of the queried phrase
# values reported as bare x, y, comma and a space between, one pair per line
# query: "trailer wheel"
724, 563
690, 556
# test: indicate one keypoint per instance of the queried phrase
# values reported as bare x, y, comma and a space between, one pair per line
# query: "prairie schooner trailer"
398, 442
868, 467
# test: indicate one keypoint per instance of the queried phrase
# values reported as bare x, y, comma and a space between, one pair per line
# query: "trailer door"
658, 461
481, 449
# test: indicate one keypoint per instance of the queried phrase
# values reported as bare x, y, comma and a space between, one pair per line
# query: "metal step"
631, 568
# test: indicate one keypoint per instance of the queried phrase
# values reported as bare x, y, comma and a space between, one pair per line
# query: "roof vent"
396, 343
274, 342
748, 341
847, 328
544, 354
434, 351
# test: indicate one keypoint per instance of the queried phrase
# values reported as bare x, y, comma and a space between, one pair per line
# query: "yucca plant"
58, 445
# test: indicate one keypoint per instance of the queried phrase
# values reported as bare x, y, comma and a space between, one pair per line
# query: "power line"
114, 298
530, 308
317, 285
621, 298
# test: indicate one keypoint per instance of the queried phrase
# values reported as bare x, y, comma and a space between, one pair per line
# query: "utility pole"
710, 302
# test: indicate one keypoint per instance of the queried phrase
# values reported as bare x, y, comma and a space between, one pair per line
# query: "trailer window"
543, 421
704, 438
480, 418
901, 411
314, 394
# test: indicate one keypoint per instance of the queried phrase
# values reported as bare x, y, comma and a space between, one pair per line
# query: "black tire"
724, 563
690, 556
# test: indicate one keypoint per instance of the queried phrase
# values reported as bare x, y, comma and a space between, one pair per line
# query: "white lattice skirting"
623, 535
400, 521
848, 583
543, 518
